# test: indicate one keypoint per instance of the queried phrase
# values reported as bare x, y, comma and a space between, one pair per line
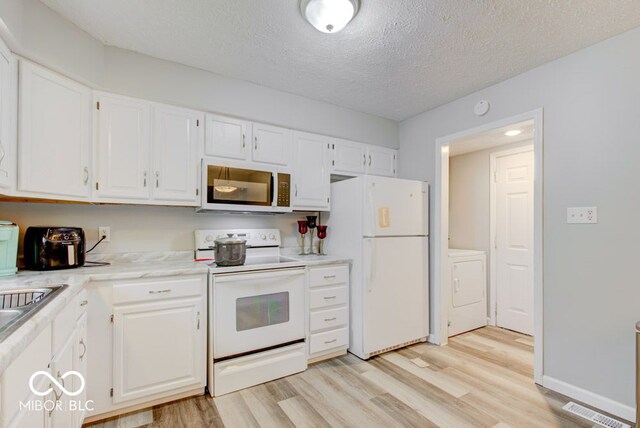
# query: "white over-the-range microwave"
246, 187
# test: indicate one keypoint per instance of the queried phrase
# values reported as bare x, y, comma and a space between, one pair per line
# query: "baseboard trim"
591, 398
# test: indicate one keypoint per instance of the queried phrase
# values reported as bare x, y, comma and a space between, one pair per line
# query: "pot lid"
6, 223
230, 239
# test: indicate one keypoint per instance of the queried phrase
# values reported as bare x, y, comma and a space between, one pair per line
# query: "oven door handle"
244, 276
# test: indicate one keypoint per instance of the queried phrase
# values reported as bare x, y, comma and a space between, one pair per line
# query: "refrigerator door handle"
372, 265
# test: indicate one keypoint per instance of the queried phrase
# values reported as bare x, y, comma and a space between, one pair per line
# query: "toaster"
51, 248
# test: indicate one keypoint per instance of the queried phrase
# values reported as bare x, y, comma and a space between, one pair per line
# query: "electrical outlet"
582, 215
104, 231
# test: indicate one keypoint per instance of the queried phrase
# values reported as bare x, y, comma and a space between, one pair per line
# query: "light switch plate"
582, 215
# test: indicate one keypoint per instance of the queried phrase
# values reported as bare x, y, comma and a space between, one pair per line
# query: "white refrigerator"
381, 224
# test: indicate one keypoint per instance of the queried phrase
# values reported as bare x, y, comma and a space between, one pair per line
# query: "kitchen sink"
18, 305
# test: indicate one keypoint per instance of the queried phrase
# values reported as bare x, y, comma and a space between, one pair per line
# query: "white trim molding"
440, 303
591, 398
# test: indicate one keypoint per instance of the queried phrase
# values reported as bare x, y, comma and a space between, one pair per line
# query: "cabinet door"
271, 144
7, 113
381, 161
158, 347
54, 134
123, 142
227, 137
80, 353
349, 158
176, 138
63, 416
311, 181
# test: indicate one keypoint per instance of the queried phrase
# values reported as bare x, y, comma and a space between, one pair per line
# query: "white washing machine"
468, 290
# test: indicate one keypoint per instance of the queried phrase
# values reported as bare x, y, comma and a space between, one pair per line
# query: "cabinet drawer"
157, 290
326, 297
328, 276
326, 341
330, 318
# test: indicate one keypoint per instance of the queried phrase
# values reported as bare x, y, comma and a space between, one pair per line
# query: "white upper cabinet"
122, 146
231, 138
311, 177
227, 137
271, 144
177, 135
7, 114
381, 161
54, 135
349, 158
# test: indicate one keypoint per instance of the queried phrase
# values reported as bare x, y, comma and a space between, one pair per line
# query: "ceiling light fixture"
329, 16
513, 133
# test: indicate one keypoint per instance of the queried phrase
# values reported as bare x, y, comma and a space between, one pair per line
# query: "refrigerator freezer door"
395, 207
395, 291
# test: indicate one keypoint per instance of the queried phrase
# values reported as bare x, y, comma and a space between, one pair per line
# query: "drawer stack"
328, 311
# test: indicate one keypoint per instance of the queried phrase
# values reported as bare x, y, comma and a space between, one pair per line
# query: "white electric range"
256, 312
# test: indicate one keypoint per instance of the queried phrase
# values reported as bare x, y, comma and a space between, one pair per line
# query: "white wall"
142, 228
591, 129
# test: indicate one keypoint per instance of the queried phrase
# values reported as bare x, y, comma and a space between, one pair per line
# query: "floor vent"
592, 416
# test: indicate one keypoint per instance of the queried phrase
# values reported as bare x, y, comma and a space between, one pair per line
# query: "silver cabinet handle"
84, 303
55, 395
364, 162
329, 276
369, 160
255, 145
84, 349
157, 179
329, 297
329, 341
144, 181
59, 377
168, 290
198, 318
296, 190
86, 175
244, 144
330, 319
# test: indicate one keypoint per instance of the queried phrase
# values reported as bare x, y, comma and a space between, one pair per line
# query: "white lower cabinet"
62, 363
157, 347
328, 309
154, 346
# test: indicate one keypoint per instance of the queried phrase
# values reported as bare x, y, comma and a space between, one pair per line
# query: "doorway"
522, 237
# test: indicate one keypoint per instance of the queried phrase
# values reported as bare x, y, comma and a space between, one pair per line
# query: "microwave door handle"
271, 189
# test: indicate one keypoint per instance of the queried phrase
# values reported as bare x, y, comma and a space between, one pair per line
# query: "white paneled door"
514, 241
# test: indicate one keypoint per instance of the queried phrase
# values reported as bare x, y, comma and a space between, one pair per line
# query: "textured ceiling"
395, 59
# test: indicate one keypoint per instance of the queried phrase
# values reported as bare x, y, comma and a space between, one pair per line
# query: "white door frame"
441, 302
493, 287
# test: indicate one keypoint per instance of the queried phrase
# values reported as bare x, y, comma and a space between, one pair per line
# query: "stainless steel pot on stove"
230, 250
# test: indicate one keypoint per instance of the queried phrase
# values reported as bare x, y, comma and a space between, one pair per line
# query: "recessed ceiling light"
329, 16
513, 133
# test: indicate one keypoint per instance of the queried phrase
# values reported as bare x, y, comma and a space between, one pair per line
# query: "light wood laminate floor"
481, 379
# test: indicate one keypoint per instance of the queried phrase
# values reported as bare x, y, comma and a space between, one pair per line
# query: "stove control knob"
263, 236
208, 238
272, 236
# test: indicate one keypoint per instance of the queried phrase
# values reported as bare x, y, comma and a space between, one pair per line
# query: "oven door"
256, 310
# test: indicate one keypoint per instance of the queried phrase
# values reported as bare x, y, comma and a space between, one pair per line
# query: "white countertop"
125, 266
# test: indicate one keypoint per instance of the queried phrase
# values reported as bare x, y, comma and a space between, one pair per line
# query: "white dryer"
468, 290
